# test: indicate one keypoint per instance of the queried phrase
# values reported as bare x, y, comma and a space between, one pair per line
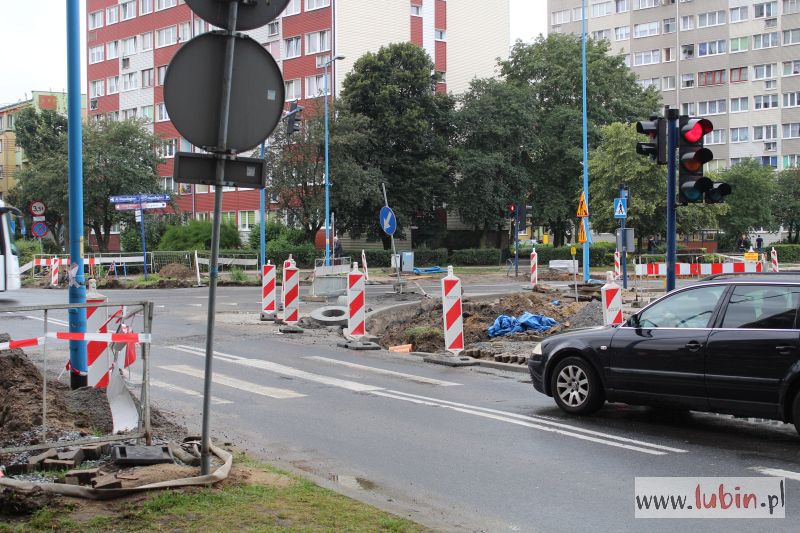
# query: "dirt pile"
421, 325
176, 270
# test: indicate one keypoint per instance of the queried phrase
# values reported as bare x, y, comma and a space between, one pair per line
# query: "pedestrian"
337, 248
760, 244
741, 244
651, 245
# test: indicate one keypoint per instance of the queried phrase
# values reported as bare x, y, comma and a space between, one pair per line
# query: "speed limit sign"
37, 208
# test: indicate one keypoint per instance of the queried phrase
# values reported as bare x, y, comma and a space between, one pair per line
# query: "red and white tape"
21, 343
356, 315
102, 337
697, 269
290, 293
451, 313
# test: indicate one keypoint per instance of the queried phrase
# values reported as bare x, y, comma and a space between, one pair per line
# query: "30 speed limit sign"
37, 208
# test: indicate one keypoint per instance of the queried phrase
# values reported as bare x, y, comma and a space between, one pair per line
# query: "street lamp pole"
327, 180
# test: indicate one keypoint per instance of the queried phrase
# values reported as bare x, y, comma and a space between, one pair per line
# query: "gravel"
590, 315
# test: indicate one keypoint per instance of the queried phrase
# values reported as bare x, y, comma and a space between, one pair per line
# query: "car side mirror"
633, 321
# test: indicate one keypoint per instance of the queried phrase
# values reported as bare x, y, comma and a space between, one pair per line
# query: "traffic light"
293, 118
523, 216
656, 129
692, 185
512, 209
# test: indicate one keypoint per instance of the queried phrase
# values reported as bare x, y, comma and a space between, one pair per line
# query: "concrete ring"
330, 315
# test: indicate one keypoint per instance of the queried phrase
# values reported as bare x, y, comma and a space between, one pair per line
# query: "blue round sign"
387, 220
39, 229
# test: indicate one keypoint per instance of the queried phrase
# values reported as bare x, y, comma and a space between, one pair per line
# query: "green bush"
424, 257
787, 253
375, 258
278, 251
600, 253
131, 237
196, 235
27, 249
476, 256
272, 231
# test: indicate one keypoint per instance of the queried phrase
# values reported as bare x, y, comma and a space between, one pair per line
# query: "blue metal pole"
672, 191
516, 240
144, 242
77, 289
263, 215
623, 193
327, 181
585, 143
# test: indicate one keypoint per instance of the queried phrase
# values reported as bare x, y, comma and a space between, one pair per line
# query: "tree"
118, 158
196, 235
494, 136
411, 128
786, 205
750, 202
41, 134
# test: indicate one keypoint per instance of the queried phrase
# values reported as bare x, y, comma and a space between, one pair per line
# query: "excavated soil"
176, 270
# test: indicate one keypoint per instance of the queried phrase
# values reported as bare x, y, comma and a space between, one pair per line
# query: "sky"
36, 45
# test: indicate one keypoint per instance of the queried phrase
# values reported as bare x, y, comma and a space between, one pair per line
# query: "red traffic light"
512, 207
695, 129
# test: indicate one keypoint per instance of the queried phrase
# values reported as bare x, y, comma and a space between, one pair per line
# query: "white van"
9, 255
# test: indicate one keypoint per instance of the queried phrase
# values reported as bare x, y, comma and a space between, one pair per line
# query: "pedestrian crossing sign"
620, 207
583, 211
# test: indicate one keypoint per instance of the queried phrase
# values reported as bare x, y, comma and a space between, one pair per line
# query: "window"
184, 32
599, 35
315, 86
292, 89
96, 54
165, 4
648, 57
441, 35
318, 41
316, 4
129, 46
273, 28
168, 183
247, 220
145, 7
129, 114
161, 73
161, 113
127, 10
687, 22
645, 30
112, 15
791, 130
739, 105
691, 308
95, 20
623, 33
148, 77
739, 135
200, 27
712, 107
167, 148
769, 160
166, 36
738, 14
739, 74
687, 51
711, 77
669, 25
644, 4
711, 48
147, 113
291, 47
668, 55
687, 80
668, 83
765, 101
416, 10
577, 14
292, 8
761, 72
688, 108
765, 133
97, 88
130, 81
650, 82
765, 40
714, 18
626, 60
791, 160
791, 68
147, 41
765, 9
791, 99
739, 44
791, 36
762, 307
622, 6
715, 137
601, 10
113, 84
791, 6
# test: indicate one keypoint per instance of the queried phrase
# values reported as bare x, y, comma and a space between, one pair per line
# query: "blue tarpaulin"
429, 270
506, 325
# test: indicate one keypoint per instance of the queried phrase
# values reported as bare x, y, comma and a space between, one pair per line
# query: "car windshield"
687, 309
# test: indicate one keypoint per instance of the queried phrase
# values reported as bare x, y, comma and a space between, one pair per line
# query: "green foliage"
154, 228
303, 254
272, 231
476, 256
238, 275
41, 134
787, 253
425, 258
786, 206
27, 249
196, 235
750, 203
375, 258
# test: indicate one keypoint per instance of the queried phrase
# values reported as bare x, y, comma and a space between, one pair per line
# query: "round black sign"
253, 15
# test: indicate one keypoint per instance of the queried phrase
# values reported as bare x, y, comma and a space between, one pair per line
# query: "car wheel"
796, 411
576, 387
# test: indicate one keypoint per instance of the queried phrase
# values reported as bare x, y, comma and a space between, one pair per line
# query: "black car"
727, 345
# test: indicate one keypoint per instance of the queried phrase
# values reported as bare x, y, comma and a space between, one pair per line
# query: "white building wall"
429, 27
141, 96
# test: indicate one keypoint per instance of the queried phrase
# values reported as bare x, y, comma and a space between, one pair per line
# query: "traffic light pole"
623, 193
672, 192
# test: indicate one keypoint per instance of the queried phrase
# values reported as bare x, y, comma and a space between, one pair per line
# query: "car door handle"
693, 346
784, 349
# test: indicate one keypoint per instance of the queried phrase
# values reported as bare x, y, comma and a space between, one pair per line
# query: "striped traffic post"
534, 268
452, 314
268, 291
617, 267
356, 305
364, 262
290, 293
611, 296
55, 266
97, 353
774, 257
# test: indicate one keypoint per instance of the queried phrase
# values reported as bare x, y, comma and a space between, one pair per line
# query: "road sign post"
621, 212
573, 252
389, 225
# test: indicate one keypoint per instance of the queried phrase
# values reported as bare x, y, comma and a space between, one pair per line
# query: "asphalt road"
456, 449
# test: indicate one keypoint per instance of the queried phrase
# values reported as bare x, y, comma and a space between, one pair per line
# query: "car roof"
758, 277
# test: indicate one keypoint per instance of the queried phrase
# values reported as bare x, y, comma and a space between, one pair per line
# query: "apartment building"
130, 44
736, 62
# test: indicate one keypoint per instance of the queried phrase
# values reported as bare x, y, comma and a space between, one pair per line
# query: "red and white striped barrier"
452, 314
55, 266
697, 269
356, 304
290, 293
22, 343
97, 357
268, 291
611, 296
774, 259
364, 262
534, 268
617, 267
102, 337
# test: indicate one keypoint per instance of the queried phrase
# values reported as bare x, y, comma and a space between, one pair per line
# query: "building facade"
736, 62
130, 44
12, 157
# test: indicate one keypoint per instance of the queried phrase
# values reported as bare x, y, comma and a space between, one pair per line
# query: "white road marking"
546, 421
410, 377
195, 305
777, 472
504, 416
137, 380
56, 321
246, 386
